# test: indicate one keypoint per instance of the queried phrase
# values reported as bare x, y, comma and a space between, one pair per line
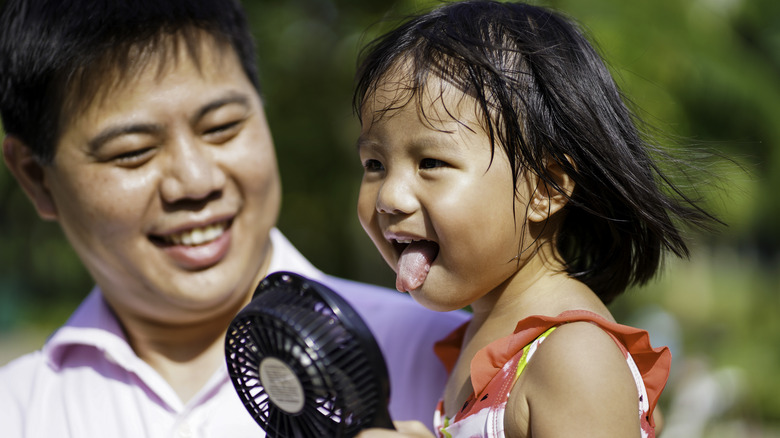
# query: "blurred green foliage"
704, 71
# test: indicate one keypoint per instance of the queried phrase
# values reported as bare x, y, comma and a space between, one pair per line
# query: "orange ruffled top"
499, 359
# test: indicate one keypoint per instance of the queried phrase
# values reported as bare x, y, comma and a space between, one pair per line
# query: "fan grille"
339, 384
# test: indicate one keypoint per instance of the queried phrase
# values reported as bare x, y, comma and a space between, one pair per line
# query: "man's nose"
193, 172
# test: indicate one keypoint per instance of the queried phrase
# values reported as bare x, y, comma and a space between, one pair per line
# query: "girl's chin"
435, 302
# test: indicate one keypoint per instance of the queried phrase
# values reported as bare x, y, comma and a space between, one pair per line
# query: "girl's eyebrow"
433, 142
419, 144
363, 142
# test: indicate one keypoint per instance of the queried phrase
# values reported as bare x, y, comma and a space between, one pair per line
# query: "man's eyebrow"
238, 98
113, 132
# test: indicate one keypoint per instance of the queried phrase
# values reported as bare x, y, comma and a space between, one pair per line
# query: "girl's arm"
576, 384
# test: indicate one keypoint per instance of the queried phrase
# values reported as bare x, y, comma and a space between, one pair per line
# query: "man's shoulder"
343, 285
375, 300
24, 364
17, 385
18, 376
366, 294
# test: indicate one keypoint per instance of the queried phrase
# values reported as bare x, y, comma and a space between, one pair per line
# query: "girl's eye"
431, 163
372, 165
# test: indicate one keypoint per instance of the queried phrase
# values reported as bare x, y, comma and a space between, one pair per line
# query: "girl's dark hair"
53, 50
546, 95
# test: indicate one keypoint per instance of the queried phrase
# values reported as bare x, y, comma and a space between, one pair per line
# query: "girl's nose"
193, 172
396, 197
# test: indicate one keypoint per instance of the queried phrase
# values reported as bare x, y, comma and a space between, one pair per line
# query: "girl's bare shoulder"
577, 381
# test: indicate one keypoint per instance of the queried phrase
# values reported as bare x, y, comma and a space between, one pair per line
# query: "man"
139, 129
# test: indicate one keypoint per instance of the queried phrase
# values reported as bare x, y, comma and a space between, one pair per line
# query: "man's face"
167, 187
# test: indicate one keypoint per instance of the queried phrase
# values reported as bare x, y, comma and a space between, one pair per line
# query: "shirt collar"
286, 258
92, 324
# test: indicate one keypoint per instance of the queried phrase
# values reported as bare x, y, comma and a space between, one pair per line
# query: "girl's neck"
540, 287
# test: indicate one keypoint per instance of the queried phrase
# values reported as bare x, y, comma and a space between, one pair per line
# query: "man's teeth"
404, 241
197, 236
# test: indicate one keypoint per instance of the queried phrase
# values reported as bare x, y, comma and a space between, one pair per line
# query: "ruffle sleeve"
653, 363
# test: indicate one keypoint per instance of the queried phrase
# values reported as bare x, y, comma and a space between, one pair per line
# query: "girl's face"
429, 179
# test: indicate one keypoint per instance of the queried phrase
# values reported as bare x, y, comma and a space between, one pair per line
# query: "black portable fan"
304, 363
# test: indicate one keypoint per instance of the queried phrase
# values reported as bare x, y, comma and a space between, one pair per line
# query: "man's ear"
30, 175
547, 200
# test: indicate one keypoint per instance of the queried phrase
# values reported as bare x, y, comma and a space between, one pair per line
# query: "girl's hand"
411, 429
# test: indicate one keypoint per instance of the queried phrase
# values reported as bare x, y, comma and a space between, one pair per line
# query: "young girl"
503, 171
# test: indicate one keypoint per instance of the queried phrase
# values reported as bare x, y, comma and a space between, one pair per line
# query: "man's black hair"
546, 94
48, 47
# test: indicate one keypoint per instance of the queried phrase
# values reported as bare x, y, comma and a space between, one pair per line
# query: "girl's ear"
29, 172
547, 200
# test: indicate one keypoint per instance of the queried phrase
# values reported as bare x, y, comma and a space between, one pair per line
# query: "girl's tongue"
414, 264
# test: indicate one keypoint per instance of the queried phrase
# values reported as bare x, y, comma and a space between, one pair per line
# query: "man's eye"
431, 163
372, 165
222, 133
133, 158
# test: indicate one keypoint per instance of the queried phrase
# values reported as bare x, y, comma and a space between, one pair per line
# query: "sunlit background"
704, 71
